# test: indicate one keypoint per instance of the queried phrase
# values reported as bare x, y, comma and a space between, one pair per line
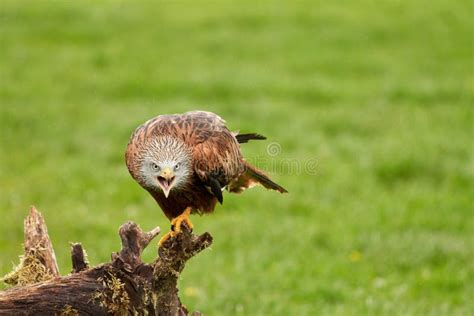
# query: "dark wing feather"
216, 188
216, 151
244, 138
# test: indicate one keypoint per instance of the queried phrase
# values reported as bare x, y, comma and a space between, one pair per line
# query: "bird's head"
165, 165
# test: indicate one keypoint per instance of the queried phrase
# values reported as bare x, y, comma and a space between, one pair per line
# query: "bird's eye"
176, 167
155, 166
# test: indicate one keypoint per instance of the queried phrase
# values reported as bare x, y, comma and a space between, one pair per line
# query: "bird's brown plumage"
214, 152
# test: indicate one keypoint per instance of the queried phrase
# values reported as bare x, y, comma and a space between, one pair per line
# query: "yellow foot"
176, 225
168, 235
184, 217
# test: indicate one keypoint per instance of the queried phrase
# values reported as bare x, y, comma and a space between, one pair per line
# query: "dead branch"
38, 262
124, 286
167, 268
79, 258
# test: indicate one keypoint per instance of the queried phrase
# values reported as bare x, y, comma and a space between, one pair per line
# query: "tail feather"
265, 180
244, 138
251, 177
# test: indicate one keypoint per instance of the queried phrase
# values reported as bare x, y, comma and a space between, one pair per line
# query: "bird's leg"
167, 236
176, 225
184, 217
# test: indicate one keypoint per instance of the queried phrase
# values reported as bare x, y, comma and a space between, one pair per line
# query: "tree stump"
124, 286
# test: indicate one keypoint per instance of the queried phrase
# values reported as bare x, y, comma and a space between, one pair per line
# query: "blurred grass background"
378, 93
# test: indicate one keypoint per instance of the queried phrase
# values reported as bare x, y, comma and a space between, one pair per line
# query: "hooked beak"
166, 180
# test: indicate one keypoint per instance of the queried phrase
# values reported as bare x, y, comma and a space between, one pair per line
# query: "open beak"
166, 180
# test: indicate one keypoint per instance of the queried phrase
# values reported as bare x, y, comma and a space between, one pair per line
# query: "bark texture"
124, 286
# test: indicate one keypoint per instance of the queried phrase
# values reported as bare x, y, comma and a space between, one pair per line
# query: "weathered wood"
78, 258
124, 286
37, 240
134, 240
38, 263
173, 256
74, 292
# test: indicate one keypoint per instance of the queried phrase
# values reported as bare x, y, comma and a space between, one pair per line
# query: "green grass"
376, 95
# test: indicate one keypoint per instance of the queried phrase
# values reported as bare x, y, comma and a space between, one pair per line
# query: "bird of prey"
186, 160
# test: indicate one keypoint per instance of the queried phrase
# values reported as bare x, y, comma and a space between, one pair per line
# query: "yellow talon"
176, 225
168, 235
184, 217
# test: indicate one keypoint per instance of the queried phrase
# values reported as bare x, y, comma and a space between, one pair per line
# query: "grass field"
371, 104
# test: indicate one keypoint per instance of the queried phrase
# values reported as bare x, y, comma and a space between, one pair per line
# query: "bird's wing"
216, 154
215, 150
192, 127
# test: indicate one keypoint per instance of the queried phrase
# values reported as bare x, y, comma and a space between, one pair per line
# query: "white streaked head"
165, 164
